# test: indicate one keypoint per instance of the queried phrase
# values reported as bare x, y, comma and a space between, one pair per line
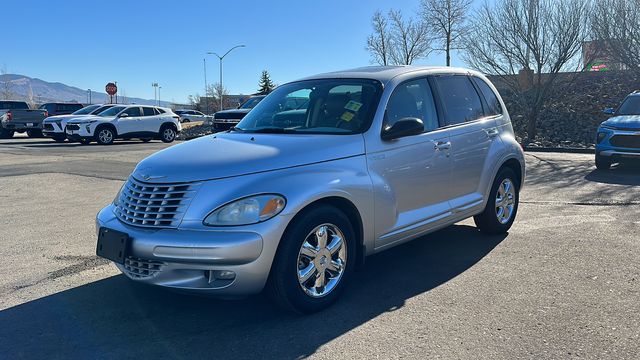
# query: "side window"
413, 99
159, 111
147, 111
493, 104
460, 99
133, 111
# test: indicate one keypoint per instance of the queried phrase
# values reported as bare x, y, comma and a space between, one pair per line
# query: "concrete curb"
560, 150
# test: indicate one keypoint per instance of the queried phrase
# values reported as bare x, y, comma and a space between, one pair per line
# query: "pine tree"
265, 85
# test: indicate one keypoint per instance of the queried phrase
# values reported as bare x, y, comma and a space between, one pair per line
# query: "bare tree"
409, 38
446, 20
616, 24
378, 42
397, 40
536, 38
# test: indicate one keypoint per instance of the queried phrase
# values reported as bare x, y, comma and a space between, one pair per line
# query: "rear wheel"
167, 133
146, 140
315, 259
602, 163
34, 133
6, 134
502, 206
105, 135
85, 141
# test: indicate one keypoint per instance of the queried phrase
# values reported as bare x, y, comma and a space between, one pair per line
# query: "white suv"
126, 122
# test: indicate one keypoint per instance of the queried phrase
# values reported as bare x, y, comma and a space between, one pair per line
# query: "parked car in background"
191, 115
226, 119
125, 122
618, 138
60, 108
54, 126
294, 201
16, 116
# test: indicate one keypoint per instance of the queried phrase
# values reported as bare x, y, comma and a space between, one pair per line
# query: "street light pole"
221, 58
159, 87
206, 101
155, 92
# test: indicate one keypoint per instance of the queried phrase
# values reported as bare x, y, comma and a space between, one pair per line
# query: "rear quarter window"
493, 104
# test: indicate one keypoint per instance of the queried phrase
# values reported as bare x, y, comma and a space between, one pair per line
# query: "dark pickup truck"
16, 116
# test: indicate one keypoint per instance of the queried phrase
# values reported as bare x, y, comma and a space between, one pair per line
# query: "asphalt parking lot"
564, 283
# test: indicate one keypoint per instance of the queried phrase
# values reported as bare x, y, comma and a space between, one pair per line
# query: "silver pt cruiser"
296, 196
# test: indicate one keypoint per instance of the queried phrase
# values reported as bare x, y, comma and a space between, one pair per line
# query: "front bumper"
607, 147
188, 259
51, 129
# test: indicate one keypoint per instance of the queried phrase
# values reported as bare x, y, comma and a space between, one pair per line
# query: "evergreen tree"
265, 85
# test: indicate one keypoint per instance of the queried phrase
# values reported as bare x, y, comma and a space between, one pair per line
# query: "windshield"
251, 103
112, 111
86, 110
630, 106
325, 106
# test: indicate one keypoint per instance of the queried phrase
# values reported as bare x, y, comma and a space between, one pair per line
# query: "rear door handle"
442, 145
493, 132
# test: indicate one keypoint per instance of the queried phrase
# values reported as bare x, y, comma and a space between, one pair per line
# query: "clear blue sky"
87, 43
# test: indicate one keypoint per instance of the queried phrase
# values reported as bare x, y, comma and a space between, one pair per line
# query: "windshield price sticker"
353, 106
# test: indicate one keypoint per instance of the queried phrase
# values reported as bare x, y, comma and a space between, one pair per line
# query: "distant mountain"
20, 87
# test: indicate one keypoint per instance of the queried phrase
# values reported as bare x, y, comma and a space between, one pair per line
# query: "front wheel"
167, 134
59, 138
34, 133
502, 206
315, 259
105, 136
602, 163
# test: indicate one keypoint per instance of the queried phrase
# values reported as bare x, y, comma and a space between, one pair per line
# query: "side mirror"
609, 111
403, 127
123, 115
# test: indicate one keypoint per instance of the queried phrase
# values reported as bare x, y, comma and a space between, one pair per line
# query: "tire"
167, 133
59, 138
494, 219
85, 141
34, 133
186, 120
146, 140
105, 135
602, 163
284, 285
6, 134
126, 139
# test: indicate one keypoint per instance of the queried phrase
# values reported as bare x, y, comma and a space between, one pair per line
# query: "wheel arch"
108, 125
349, 209
515, 165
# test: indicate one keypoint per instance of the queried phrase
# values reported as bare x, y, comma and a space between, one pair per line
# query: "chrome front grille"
141, 269
154, 205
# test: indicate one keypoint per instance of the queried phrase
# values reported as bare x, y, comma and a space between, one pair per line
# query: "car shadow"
621, 174
115, 317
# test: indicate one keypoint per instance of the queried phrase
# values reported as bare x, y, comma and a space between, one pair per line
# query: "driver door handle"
442, 145
493, 132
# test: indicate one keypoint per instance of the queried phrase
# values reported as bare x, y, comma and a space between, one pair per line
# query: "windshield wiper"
233, 128
272, 130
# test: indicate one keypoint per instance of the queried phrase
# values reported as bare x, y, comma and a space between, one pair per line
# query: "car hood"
630, 122
86, 118
66, 117
234, 154
232, 113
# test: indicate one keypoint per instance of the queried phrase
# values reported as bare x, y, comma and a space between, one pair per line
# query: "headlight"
116, 200
250, 210
600, 137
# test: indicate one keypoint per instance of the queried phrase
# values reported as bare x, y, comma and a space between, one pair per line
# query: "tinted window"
86, 110
147, 111
113, 111
160, 111
459, 98
14, 105
133, 111
412, 99
493, 104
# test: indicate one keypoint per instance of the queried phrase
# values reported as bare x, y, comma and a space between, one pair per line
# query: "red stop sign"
111, 89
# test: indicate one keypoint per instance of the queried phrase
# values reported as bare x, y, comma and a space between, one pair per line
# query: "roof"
381, 73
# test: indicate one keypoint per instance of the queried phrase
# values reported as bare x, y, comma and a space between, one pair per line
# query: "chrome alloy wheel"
322, 260
505, 201
168, 134
105, 136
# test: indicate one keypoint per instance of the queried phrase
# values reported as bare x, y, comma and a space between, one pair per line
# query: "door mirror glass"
609, 111
404, 127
